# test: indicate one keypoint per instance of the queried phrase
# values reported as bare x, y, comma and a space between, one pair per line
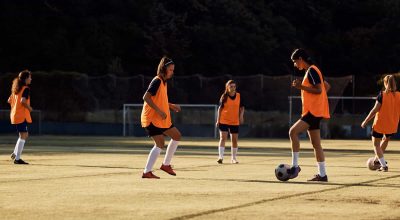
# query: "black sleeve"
153, 87
313, 77
26, 93
379, 98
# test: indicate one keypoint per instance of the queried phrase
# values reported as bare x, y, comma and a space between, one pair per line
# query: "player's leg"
234, 147
175, 135
159, 142
315, 139
19, 146
223, 136
294, 131
376, 140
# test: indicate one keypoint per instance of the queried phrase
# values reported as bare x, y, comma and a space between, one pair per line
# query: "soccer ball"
371, 164
282, 172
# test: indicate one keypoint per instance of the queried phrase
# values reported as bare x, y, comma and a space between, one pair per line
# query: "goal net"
197, 120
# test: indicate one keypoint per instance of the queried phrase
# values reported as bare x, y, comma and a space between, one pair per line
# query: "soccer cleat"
318, 178
294, 172
234, 161
220, 161
20, 161
13, 156
168, 169
150, 175
383, 169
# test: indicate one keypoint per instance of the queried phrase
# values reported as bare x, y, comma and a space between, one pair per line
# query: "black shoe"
219, 161
13, 156
20, 161
318, 178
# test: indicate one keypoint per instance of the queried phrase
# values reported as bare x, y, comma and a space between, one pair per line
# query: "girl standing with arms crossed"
315, 107
387, 115
230, 115
20, 115
156, 119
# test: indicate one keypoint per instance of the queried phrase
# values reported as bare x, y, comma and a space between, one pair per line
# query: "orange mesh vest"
149, 115
387, 119
316, 104
230, 111
18, 112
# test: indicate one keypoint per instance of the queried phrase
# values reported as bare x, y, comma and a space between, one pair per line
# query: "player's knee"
177, 137
292, 133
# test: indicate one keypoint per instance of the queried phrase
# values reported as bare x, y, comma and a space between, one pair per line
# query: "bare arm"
149, 101
25, 104
174, 107
314, 89
241, 115
371, 114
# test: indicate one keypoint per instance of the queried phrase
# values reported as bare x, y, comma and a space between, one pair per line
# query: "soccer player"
387, 115
230, 115
156, 119
315, 107
20, 115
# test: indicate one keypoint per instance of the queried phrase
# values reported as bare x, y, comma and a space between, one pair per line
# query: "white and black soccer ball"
372, 165
282, 172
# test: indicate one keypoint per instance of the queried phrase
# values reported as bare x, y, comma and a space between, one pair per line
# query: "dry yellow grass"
99, 178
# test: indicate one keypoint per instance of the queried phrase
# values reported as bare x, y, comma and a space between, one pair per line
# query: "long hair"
300, 52
19, 81
162, 66
224, 95
389, 83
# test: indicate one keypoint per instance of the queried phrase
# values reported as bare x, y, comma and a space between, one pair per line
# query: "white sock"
19, 147
173, 144
234, 152
382, 161
295, 159
221, 151
321, 169
151, 160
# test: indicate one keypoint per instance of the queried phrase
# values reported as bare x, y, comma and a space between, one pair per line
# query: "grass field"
100, 178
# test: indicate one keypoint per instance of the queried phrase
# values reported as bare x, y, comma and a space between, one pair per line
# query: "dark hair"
224, 95
19, 81
389, 83
300, 52
162, 66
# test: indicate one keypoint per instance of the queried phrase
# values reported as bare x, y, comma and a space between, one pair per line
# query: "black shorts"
153, 130
22, 127
312, 121
379, 135
233, 129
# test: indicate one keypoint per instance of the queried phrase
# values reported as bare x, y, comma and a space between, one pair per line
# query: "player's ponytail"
390, 83
19, 81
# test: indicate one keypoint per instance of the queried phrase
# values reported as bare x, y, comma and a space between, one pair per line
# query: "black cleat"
318, 178
219, 161
20, 161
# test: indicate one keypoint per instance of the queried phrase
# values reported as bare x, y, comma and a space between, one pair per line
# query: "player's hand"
363, 124
296, 83
241, 120
162, 114
175, 108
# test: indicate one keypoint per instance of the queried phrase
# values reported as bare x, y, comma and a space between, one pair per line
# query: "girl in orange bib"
20, 115
387, 115
315, 107
230, 115
156, 119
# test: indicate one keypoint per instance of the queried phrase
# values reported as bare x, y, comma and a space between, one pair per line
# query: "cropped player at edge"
387, 115
315, 107
156, 119
230, 116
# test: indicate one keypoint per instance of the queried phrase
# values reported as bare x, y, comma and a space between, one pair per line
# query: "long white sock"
173, 144
221, 151
20, 146
295, 159
321, 169
151, 160
234, 151
382, 161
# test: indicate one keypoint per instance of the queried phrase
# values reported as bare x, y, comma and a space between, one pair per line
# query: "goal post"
193, 120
